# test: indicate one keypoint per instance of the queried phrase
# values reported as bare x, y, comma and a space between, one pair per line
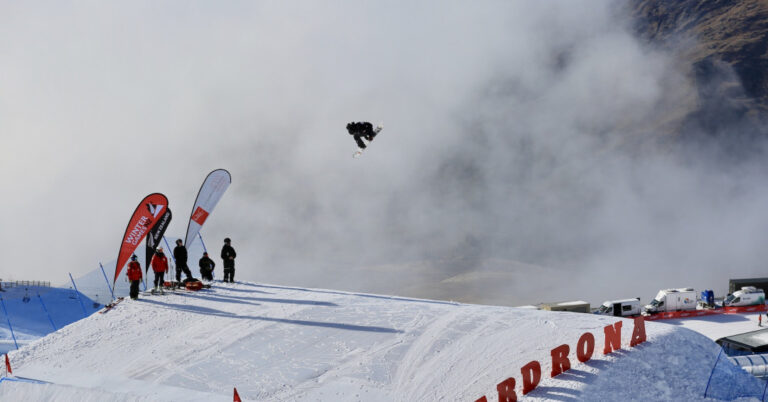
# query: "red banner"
698, 313
147, 214
745, 309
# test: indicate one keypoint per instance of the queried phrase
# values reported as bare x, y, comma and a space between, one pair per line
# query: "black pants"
359, 141
182, 267
159, 278
135, 289
359, 138
229, 274
206, 274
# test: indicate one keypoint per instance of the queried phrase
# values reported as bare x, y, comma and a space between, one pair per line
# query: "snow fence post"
712, 372
8, 370
9, 322
112, 292
77, 293
236, 396
46, 311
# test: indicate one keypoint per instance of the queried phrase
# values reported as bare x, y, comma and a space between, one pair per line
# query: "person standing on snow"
206, 267
134, 275
160, 267
180, 256
228, 255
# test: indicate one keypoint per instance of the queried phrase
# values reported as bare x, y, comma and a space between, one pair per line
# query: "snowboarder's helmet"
133, 257
227, 240
159, 249
205, 253
178, 241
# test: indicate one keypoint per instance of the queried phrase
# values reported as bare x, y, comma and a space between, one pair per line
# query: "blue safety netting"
35, 309
31, 311
728, 382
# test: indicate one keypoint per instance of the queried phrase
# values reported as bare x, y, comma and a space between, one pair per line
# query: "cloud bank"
520, 133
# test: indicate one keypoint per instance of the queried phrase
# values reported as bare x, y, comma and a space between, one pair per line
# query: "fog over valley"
531, 152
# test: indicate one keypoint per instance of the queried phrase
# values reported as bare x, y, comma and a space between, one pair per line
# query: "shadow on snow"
241, 300
330, 292
219, 313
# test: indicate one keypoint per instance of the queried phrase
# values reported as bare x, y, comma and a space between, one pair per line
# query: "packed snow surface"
279, 343
720, 325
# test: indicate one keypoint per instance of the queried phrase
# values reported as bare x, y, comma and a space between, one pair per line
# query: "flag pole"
77, 293
112, 292
9, 322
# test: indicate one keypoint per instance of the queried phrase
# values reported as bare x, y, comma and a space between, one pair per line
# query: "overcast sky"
509, 134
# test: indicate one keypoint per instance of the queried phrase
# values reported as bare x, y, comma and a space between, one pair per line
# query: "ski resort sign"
530, 373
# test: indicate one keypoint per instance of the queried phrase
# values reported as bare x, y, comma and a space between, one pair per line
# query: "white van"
747, 296
620, 308
672, 300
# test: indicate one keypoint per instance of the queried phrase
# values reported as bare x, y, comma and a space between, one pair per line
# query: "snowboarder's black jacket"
207, 264
180, 255
360, 128
226, 252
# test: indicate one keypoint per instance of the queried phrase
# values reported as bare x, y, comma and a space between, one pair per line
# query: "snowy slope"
277, 343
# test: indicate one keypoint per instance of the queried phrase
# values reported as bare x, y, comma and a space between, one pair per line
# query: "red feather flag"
145, 217
237, 397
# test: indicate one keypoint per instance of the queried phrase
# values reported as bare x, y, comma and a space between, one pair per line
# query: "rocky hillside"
723, 46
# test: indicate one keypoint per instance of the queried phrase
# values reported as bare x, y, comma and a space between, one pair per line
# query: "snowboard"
152, 292
109, 306
376, 132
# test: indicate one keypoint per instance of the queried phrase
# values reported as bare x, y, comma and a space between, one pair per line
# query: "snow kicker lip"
531, 372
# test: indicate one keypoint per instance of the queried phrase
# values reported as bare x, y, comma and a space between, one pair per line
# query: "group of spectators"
159, 265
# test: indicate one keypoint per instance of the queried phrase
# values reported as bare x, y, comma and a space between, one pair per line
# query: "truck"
747, 296
620, 308
680, 299
707, 299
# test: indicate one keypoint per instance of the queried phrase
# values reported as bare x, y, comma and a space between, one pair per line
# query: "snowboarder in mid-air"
360, 130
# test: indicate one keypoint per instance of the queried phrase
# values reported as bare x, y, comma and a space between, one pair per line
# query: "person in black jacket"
180, 255
228, 255
206, 267
361, 129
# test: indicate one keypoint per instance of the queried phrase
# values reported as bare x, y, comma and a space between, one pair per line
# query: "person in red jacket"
160, 267
134, 275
